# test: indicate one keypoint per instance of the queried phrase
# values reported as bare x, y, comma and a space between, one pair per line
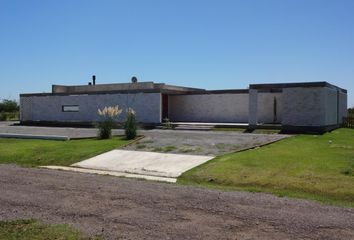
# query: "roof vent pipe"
134, 79
93, 79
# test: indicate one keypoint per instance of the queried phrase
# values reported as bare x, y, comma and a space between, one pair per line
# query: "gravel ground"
132, 209
200, 142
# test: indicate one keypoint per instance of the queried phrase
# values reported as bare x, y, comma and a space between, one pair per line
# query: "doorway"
164, 107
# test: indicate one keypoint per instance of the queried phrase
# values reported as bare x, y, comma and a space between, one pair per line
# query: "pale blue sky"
217, 44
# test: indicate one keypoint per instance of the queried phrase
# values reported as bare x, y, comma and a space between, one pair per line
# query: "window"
70, 108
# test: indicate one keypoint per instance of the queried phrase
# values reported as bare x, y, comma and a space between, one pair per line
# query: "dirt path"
131, 209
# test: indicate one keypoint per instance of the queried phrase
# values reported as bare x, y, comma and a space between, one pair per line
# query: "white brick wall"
49, 108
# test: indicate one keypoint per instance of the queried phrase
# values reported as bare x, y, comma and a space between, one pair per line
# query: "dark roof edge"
226, 91
164, 91
91, 93
176, 87
300, 84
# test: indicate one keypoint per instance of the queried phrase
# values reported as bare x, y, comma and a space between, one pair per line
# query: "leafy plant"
9, 116
9, 110
108, 115
7, 105
167, 123
351, 112
130, 125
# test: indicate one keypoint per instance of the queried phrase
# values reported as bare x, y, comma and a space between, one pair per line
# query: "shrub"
9, 116
167, 123
9, 110
2, 116
7, 105
130, 124
351, 112
109, 116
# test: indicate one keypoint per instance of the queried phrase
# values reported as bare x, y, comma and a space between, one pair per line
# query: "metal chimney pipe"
93, 79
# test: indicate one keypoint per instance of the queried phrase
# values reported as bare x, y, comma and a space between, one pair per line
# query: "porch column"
253, 108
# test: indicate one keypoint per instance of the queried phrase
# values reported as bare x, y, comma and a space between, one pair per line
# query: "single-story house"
311, 106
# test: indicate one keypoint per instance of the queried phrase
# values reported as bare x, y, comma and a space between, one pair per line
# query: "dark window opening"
70, 108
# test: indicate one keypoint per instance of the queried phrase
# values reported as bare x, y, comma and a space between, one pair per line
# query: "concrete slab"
110, 173
212, 124
70, 132
32, 136
144, 163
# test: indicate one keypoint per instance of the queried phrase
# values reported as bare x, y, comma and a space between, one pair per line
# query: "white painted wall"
49, 108
230, 107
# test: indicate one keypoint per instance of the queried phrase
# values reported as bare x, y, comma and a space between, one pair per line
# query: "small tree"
7, 105
351, 112
130, 124
167, 123
108, 115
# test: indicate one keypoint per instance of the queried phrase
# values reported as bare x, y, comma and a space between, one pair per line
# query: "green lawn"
34, 230
31, 153
318, 167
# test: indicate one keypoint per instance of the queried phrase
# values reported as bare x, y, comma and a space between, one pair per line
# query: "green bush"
167, 124
2, 116
351, 112
109, 116
7, 105
9, 116
130, 125
9, 110
105, 129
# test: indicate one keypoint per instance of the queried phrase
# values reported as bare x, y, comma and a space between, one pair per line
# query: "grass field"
318, 167
34, 230
31, 153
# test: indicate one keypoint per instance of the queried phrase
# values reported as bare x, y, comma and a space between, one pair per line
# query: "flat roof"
292, 85
151, 87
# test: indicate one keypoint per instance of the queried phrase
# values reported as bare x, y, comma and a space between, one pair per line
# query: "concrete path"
164, 165
112, 173
31, 136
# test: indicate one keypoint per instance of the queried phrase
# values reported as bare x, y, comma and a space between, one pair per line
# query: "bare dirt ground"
132, 209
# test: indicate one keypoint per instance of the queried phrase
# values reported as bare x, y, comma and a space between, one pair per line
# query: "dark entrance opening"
164, 106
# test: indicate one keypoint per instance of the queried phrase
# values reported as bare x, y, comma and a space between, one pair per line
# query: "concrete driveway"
146, 165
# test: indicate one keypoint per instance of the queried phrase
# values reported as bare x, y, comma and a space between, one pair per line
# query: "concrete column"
253, 108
